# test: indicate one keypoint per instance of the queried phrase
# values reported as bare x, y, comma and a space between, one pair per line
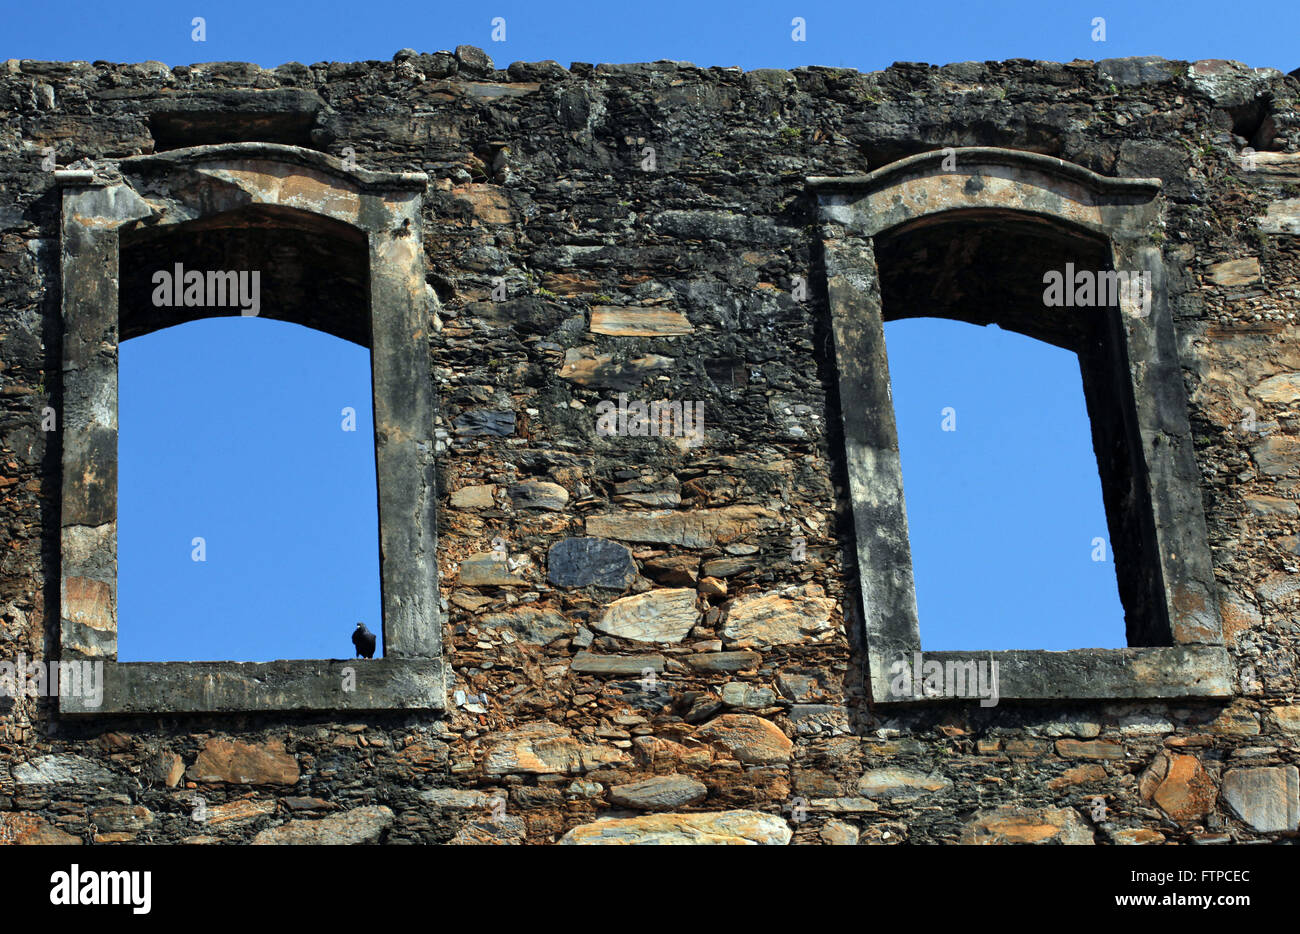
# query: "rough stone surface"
61, 770
747, 738
724, 661
1179, 786
654, 616
539, 494
232, 761
507, 830
1234, 272
770, 619
478, 496
357, 826
238, 812
617, 664
485, 422
583, 562
541, 748
1013, 824
28, 830
839, 833
746, 828
740, 694
488, 569
1268, 799
638, 322
700, 529
532, 625
661, 793
545, 272
893, 783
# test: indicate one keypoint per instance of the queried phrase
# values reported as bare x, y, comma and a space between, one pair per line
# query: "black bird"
364, 640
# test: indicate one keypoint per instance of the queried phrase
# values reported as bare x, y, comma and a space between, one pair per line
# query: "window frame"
1126, 213
205, 181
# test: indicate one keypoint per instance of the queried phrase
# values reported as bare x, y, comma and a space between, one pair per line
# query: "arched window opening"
1038, 246
293, 240
247, 495
1010, 548
1018, 476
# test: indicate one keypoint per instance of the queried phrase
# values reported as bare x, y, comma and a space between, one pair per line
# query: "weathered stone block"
654, 616
771, 619
1179, 786
1013, 824
583, 562
891, 783
661, 793
358, 826
725, 827
747, 738
224, 760
1268, 799
533, 625
543, 747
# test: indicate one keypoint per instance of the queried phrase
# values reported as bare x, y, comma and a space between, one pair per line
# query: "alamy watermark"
75, 886
181, 288
950, 678
1087, 288
639, 419
53, 679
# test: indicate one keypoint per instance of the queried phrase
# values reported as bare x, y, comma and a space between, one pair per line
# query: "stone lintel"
1155, 672
299, 685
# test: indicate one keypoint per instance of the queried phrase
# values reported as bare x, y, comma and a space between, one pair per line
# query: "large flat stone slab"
653, 616
1268, 799
700, 528
661, 793
729, 828
543, 748
357, 826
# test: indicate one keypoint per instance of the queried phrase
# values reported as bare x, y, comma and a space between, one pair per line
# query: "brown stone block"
1079, 775
30, 830
231, 761
1179, 786
489, 203
90, 603
1011, 824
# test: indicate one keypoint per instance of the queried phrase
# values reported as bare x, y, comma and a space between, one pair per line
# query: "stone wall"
675, 277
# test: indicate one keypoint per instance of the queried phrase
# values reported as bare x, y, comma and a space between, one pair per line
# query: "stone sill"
300, 685
1152, 673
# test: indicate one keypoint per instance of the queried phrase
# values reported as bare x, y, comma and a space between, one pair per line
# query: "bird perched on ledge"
364, 640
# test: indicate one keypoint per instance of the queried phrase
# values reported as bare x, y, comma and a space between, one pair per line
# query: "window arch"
926, 231
251, 201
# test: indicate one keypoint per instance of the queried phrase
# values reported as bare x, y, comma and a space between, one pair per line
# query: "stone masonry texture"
649, 664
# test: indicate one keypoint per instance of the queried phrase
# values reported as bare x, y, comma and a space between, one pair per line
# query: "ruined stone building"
674, 636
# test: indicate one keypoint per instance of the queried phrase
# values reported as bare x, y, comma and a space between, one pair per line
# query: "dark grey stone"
724, 661
437, 65
474, 60
485, 422
1137, 69
548, 70
582, 562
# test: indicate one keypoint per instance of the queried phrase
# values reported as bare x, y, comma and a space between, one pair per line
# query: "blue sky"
232, 430
242, 444
1004, 505
752, 34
